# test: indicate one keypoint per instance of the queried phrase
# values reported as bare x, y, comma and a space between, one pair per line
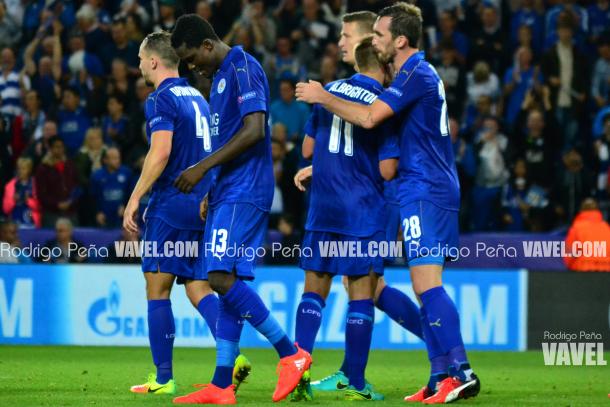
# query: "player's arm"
307, 147
154, 164
252, 131
388, 168
367, 116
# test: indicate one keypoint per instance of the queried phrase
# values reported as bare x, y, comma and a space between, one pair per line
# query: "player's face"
382, 40
199, 59
350, 37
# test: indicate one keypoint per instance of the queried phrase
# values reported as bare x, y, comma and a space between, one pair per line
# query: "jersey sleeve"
389, 147
251, 86
160, 113
312, 123
405, 90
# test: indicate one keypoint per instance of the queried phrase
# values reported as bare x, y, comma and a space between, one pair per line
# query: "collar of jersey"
167, 81
370, 81
412, 62
230, 57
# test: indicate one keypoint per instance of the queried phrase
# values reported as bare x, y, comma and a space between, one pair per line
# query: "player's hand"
190, 177
203, 208
130, 216
309, 92
303, 177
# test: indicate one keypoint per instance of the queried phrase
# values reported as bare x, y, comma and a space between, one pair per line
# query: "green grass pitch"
89, 376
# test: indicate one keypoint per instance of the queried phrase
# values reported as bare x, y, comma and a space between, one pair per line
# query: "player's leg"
309, 311
432, 227
161, 332
399, 307
358, 336
201, 295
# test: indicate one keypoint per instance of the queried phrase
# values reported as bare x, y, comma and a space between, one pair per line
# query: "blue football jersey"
427, 169
240, 88
347, 191
178, 107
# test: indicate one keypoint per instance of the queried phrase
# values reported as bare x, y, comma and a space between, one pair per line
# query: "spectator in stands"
453, 76
588, 227
518, 79
63, 248
81, 64
73, 121
492, 152
28, 126
599, 19
111, 186
167, 16
45, 75
96, 39
254, 19
278, 153
527, 15
564, 69
10, 31
600, 84
572, 185
566, 8
283, 65
119, 82
312, 33
57, 184
39, 148
20, 202
447, 32
292, 114
482, 81
328, 70
89, 157
122, 47
10, 90
113, 258
523, 203
287, 16
488, 44
115, 123
9, 240
534, 141
133, 27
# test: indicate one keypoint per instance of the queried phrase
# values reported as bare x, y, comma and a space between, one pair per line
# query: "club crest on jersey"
221, 86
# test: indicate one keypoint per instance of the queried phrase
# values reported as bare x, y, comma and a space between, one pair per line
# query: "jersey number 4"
202, 128
338, 128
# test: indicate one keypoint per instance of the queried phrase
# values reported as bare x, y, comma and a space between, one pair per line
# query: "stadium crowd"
527, 84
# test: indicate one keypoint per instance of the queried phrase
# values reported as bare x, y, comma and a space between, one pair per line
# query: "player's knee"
220, 282
378, 289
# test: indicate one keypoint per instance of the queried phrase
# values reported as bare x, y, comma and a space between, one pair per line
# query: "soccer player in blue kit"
397, 305
428, 189
347, 204
177, 130
239, 202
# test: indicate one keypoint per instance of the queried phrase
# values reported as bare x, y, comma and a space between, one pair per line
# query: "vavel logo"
104, 318
573, 350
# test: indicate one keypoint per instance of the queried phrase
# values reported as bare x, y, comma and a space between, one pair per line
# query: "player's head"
398, 28
367, 59
157, 57
196, 43
354, 28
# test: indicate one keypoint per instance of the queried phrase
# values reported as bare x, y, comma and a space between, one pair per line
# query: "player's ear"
401, 42
208, 45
